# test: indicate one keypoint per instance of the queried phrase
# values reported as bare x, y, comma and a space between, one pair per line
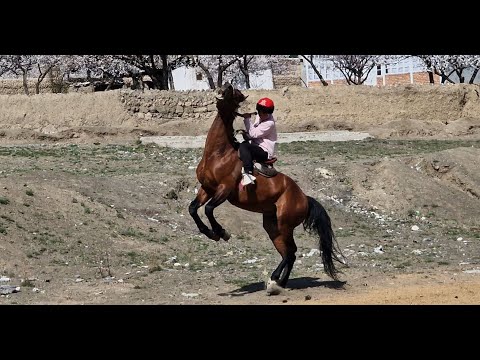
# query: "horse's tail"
318, 221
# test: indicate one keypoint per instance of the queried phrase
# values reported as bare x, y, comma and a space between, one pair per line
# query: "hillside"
441, 112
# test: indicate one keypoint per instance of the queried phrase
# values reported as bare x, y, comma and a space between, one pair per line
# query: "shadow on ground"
298, 283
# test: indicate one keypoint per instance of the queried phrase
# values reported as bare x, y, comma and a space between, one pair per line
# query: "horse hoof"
273, 288
226, 235
211, 235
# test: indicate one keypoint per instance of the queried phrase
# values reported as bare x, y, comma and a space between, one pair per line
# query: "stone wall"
331, 107
12, 87
163, 104
290, 74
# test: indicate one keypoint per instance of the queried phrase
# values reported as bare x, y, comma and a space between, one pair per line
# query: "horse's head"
229, 99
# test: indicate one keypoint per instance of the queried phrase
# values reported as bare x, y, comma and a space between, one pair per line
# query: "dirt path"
199, 141
411, 289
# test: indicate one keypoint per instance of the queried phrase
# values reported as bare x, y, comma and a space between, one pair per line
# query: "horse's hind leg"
282, 238
200, 200
219, 197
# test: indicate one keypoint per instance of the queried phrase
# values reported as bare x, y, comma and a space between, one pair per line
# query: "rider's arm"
259, 130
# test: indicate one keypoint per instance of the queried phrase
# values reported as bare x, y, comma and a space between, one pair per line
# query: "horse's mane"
227, 115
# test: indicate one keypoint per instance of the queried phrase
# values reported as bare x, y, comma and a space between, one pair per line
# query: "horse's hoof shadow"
309, 282
246, 289
297, 283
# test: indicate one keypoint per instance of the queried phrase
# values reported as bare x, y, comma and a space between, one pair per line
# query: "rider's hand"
246, 115
244, 134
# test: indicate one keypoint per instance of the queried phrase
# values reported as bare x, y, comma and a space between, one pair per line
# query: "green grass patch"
130, 232
370, 147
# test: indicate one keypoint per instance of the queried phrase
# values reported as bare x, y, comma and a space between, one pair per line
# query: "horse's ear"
228, 90
226, 86
219, 95
221, 92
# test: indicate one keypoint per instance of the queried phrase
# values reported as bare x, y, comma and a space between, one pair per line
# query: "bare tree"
257, 64
311, 60
215, 67
109, 68
447, 65
356, 68
157, 67
4, 64
28, 66
112, 67
474, 75
150, 65
45, 65
20, 65
427, 61
245, 63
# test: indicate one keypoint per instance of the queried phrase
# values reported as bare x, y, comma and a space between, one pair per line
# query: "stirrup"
248, 179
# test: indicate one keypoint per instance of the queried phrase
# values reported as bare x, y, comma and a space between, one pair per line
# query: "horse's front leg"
200, 200
220, 196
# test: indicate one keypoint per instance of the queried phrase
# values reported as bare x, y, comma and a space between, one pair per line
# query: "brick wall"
394, 79
402, 79
422, 78
390, 79
330, 82
313, 84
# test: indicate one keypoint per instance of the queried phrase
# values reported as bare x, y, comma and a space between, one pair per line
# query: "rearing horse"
281, 201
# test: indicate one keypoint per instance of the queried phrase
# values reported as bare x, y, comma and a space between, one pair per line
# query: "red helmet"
266, 105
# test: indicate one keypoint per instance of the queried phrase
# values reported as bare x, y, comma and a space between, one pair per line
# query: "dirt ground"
102, 218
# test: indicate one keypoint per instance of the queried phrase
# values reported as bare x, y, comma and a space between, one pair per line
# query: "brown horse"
283, 204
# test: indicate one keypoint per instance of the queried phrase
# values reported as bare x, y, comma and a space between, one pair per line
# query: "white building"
409, 70
185, 78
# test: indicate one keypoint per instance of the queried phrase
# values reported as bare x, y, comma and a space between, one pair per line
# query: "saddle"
265, 168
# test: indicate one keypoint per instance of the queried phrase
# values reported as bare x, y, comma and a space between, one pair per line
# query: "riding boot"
247, 177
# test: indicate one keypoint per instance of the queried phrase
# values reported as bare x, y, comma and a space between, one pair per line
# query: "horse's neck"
219, 137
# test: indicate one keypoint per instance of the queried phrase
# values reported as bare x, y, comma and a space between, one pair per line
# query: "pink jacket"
264, 133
